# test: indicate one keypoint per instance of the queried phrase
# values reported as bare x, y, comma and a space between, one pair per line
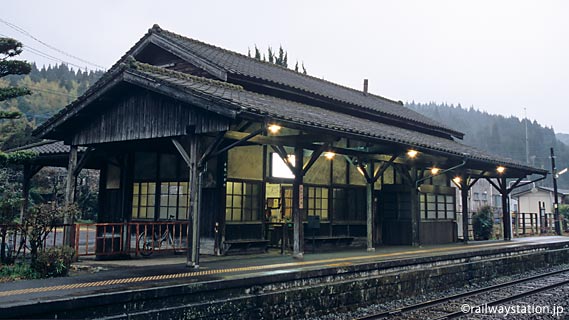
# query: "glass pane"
173, 201
325, 193
150, 212
143, 201
228, 215
237, 202
144, 188
164, 188
151, 200
135, 188
237, 188
135, 201
151, 187
163, 212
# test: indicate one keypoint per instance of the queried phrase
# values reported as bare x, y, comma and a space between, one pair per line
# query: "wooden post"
506, 210
298, 204
25, 191
369, 209
193, 252
415, 212
464, 199
68, 220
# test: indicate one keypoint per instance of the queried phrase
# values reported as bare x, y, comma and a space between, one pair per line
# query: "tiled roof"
235, 63
48, 147
313, 116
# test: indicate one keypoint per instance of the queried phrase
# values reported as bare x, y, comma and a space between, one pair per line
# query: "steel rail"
426, 304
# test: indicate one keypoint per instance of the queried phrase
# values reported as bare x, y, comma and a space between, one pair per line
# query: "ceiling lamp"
274, 128
412, 153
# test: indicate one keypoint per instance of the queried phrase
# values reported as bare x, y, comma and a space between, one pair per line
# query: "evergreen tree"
8, 49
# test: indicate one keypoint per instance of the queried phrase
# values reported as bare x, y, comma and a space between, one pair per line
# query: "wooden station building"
178, 126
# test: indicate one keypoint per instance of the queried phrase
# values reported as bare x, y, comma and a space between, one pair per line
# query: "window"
279, 169
174, 200
476, 196
143, 199
349, 204
242, 201
318, 202
437, 206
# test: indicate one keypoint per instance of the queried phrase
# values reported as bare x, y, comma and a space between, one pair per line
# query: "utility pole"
556, 202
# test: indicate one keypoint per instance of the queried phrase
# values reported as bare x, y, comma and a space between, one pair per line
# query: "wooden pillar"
369, 209
25, 191
70, 186
415, 212
464, 199
298, 204
193, 216
507, 223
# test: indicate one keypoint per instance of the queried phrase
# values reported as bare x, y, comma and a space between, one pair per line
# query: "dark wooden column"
193, 253
69, 238
298, 204
369, 210
415, 212
506, 220
464, 200
25, 191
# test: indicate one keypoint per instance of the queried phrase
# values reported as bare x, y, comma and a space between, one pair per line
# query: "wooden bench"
320, 241
245, 246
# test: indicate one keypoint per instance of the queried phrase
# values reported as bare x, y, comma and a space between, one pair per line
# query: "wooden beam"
246, 138
84, 158
313, 158
182, 151
384, 165
284, 156
211, 148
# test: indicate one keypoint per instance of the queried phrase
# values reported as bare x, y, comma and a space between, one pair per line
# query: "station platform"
143, 274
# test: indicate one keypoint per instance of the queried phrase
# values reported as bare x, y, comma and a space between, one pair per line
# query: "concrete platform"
159, 275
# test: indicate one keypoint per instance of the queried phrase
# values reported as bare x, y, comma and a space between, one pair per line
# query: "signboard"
301, 196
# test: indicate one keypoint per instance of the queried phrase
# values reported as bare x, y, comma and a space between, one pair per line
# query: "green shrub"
482, 223
16, 272
53, 262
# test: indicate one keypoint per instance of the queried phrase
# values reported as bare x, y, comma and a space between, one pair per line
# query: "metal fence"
103, 239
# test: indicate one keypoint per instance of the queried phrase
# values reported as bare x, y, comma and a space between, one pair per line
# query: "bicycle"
147, 243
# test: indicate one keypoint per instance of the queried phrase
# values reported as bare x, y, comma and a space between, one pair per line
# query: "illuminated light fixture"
291, 159
501, 169
274, 128
329, 155
412, 153
435, 170
457, 180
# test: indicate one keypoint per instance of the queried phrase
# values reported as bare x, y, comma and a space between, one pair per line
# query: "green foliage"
10, 48
564, 211
499, 135
40, 221
53, 262
280, 58
17, 157
17, 271
10, 114
482, 223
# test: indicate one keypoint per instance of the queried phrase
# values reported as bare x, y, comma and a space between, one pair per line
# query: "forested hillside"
52, 88
501, 135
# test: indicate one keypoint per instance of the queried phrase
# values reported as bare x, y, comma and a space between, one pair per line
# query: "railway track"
449, 307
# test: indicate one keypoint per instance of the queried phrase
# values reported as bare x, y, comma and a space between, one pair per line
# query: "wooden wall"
145, 115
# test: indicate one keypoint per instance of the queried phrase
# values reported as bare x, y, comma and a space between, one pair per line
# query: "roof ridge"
156, 28
145, 67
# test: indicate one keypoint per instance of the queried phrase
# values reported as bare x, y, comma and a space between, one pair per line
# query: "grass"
18, 271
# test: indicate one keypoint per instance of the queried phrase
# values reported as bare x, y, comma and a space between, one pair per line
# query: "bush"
16, 272
483, 223
53, 262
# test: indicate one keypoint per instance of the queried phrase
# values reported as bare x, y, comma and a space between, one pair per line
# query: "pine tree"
257, 53
296, 66
8, 49
271, 55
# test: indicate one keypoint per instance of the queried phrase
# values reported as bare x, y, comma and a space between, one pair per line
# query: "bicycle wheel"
145, 245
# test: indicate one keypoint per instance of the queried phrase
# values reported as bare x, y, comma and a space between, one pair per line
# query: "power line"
42, 54
22, 31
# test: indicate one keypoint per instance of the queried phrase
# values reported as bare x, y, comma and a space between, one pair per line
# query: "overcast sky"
498, 56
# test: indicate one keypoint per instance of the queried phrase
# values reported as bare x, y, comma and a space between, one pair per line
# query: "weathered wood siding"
144, 115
